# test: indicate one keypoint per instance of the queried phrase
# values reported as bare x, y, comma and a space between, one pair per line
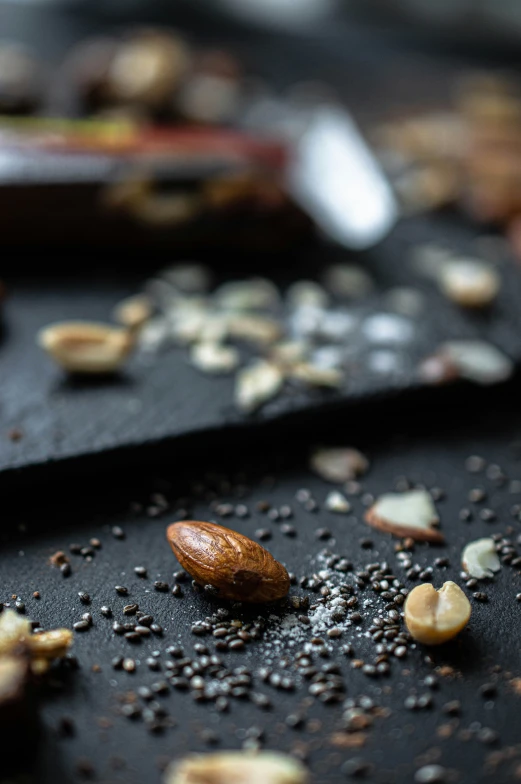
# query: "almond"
239, 568
406, 514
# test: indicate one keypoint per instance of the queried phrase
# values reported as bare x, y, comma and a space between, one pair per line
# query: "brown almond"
238, 567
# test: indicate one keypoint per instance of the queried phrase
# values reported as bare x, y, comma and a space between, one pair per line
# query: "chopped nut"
473, 360
16, 635
59, 558
433, 617
85, 347
254, 329
470, 283
316, 376
406, 514
235, 767
480, 558
338, 465
133, 312
257, 384
336, 502
214, 358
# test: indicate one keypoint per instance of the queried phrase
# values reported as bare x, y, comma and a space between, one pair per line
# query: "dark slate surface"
421, 442
163, 397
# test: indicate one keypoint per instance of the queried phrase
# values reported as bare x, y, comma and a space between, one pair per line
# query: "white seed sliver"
338, 464
480, 559
257, 384
406, 514
336, 502
214, 358
236, 767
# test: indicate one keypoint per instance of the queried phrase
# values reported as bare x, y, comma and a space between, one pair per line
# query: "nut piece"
86, 347
406, 514
239, 568
338, 465
16, 638
256, 384
470, 283
236, 767
480, 558
133, 312
433, 617
213, 357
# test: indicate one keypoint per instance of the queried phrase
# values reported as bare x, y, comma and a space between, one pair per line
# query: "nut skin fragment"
422, 533
238, 567
436, 616
86, 347
235, 767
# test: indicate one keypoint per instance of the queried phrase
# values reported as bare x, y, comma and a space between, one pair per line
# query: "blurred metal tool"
332, 174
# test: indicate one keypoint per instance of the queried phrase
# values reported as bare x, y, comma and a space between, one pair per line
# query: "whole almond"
238, 567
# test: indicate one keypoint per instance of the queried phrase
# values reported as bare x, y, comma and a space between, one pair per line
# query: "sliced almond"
406, 514
480, 559
433, 617
236, 767
86, 347
338, 464
214, 358
133, 312
257, 384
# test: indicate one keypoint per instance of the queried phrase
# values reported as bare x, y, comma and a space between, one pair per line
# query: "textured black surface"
424, 443
162, 397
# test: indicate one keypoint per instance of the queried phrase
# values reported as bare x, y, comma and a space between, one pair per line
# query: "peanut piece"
435, 616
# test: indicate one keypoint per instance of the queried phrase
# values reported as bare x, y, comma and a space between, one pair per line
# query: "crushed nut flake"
336, 502
470, 283
476, 360
406, 514
480, 559
214, 357
235, 767
86, 347
256, 384
316, 376
338, 464
133, 312
16, 634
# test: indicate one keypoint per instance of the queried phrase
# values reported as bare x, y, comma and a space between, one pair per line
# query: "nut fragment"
336, 502
257, 384
473, 360
16, 637
236, 767
406, 514
338, 464
238, 567
433, 617
212, 357
480, 558
470, 283
133, 312
86, 347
